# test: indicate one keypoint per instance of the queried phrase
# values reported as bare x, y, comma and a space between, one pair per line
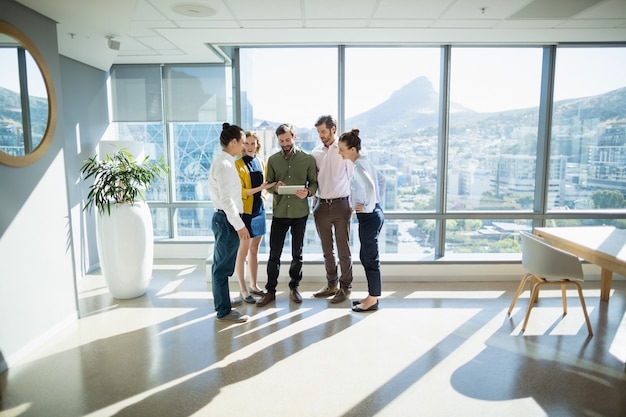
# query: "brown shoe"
295, 296
267, 298
342, 295
327, 291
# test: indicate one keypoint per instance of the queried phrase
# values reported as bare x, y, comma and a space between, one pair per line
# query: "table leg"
606, 277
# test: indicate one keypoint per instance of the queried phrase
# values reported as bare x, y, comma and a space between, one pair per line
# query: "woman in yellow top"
251, 172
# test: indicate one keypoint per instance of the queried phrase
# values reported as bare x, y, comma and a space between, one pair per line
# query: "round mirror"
27, 100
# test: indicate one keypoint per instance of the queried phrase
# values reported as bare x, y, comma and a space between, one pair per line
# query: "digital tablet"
290, 189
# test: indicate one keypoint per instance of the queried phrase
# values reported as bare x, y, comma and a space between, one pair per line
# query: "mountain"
414, 107
411, 107
11, 110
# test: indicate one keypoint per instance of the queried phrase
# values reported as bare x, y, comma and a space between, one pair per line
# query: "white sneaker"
235, 317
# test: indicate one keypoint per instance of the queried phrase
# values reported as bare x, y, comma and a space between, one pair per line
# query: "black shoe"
255, 292
249, 299
357, 309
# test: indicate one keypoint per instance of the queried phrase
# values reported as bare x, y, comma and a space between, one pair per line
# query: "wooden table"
604, 246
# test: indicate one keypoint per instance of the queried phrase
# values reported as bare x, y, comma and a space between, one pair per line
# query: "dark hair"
250, 134
327, 120
351, 139
285, 128
230, 132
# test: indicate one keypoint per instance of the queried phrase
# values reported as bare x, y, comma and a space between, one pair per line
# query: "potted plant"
123, 222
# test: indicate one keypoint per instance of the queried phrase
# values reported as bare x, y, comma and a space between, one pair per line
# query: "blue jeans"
278, 232
224, 257
369, 229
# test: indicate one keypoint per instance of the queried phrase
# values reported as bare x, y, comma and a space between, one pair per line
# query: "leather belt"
332, 200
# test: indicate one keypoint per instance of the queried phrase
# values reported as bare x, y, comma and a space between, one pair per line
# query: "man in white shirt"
227, 225
332, 211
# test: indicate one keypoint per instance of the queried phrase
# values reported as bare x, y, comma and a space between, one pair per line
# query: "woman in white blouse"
367, 187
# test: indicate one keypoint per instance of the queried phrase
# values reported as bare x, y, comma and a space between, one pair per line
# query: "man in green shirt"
289, 166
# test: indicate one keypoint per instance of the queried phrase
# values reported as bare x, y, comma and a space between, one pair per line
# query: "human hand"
358, 207
243, 233
278, 184
302, 194
267, 185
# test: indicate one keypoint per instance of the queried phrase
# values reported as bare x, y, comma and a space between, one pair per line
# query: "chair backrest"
542, 259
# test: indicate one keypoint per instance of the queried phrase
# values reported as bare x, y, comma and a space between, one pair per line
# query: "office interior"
442, 343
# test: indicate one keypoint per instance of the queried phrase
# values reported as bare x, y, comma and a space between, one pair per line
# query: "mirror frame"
40, 150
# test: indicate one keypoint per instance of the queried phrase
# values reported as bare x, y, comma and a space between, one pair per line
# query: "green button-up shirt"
300, 169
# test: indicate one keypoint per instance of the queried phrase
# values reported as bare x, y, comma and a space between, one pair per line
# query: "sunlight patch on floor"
455, 294
437, 384
359, 354
550, 320
107, 325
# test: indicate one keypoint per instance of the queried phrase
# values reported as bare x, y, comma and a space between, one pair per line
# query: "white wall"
37, 291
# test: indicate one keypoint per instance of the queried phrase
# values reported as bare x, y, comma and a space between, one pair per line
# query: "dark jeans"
224, 257
369, 229
278, 232
333, 219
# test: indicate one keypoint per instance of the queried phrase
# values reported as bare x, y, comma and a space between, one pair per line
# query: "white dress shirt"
333, 172
367, 185
225, 188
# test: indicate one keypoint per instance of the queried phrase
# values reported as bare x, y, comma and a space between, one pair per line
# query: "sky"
9, 73
297, 85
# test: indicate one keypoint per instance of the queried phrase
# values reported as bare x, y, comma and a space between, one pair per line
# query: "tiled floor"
433, 349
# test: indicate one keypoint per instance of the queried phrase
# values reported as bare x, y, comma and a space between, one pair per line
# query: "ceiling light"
193, 9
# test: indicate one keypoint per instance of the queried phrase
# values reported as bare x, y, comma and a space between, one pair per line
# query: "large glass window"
287, 85
197, 100
392, 97
588, 141
492, 147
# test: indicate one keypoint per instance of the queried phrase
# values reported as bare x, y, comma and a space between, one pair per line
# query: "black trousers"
278, 232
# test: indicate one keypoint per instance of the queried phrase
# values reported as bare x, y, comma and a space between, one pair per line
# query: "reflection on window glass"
393, 100
588, 141
494, 108
485, 236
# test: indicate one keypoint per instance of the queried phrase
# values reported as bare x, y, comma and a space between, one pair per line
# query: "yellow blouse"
246, 183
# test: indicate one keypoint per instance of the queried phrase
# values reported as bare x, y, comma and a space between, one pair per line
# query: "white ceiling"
151, 31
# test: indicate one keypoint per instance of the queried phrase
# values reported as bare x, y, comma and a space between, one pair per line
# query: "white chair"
547, 265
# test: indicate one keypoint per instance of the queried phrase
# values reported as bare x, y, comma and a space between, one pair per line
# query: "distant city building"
607, 159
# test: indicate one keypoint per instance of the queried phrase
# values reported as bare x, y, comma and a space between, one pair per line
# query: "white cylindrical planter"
126, 249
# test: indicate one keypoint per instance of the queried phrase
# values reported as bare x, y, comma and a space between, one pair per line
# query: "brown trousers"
332, 217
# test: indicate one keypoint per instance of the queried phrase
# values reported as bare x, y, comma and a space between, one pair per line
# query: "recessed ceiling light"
193, 9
